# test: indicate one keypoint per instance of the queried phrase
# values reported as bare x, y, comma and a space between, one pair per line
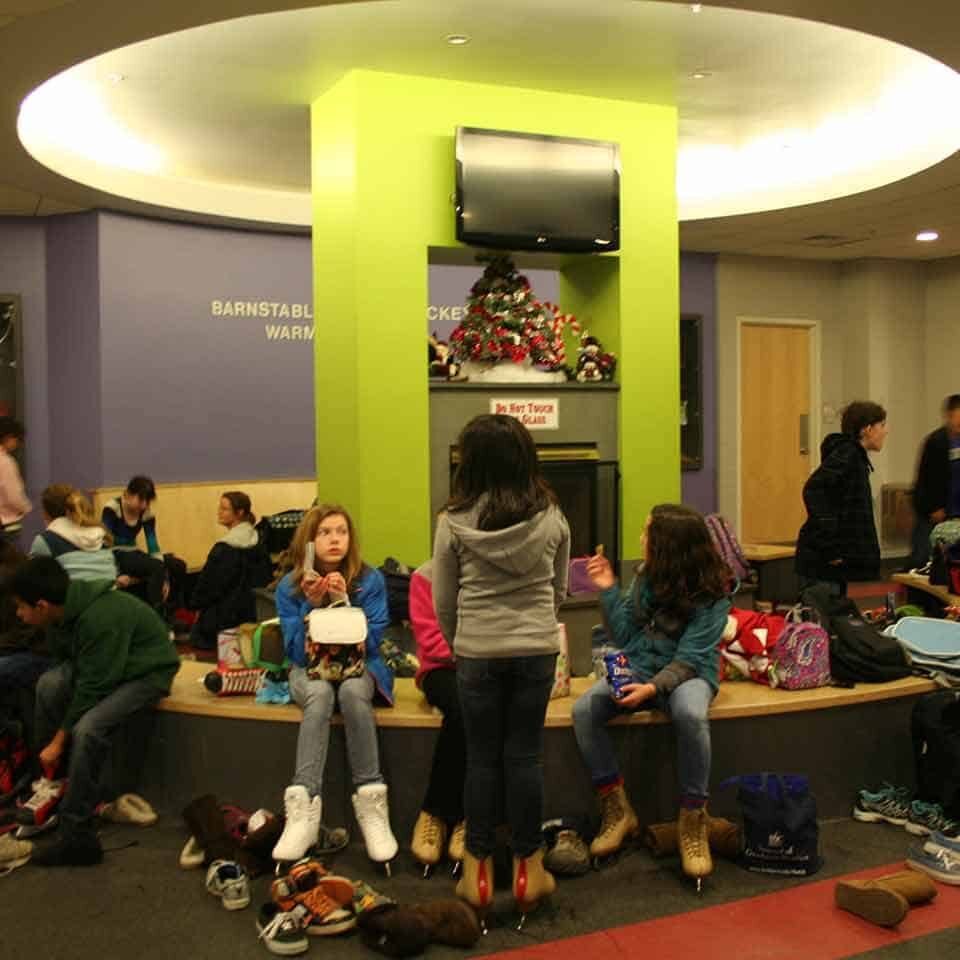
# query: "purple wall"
698, 295
73, 327
23, 271
189, 395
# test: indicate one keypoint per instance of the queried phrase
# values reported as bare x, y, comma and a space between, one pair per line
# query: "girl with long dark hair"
499, 573
669, 624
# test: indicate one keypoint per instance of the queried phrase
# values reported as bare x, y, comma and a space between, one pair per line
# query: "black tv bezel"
525, 242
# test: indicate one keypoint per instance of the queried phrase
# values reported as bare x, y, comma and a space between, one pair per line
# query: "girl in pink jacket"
442, 811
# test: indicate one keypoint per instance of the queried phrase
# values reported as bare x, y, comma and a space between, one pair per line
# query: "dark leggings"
444, 797
151, 570
504, 703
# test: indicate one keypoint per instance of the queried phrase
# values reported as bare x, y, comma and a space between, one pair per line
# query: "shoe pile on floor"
309, 900
887, 900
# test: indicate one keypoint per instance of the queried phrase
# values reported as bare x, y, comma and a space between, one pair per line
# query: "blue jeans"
20, 670
317, 699
687, 707
89, 740
504, 704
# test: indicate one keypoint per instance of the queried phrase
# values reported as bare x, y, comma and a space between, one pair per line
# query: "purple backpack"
801, 657
728, 546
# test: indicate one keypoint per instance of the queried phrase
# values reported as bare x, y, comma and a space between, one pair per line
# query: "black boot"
77, 850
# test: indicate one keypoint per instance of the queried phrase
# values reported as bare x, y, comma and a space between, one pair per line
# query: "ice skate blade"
699, 884
523, 918
427, 871
455, 872
387, 870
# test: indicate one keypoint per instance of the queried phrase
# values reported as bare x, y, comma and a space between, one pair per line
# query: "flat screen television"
524, 191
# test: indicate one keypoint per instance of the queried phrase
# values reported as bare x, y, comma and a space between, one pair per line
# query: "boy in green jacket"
114, 659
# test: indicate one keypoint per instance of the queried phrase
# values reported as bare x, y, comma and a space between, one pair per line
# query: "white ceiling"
225, 106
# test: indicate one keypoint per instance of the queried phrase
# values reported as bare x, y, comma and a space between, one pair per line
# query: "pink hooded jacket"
432, 650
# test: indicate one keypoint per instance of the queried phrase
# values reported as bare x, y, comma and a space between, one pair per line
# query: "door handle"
804, 434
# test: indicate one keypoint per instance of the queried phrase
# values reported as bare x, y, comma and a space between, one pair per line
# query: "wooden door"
774, 431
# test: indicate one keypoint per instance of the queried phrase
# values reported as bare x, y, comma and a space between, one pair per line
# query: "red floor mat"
801, 922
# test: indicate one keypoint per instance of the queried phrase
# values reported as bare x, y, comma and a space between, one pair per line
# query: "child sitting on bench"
668, 624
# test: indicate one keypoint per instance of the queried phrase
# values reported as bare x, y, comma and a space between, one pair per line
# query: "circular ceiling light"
115, 78
700, 74
696, 7
928, 236
458, 39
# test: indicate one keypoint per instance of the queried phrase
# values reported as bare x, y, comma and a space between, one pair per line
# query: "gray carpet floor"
140, 904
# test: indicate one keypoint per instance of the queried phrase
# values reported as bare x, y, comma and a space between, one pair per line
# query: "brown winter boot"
476, 884
429, 839
885, 900
452, 923
723, 835
531, 883
617, 823
693, 839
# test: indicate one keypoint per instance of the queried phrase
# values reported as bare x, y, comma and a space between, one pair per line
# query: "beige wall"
774, 289
887, 333
942, 364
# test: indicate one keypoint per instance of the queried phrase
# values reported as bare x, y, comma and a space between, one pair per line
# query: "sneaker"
302, 825
228, 881
569, 855
70, 851
39, 812
937, 841
13, 853
926, 818
370, 809
889, 804
939, 864
281, 930
128, 808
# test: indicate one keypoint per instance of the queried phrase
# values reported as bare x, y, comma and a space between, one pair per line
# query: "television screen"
522, 191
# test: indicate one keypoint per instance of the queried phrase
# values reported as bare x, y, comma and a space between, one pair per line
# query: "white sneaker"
370, 809
229, 882
302, 825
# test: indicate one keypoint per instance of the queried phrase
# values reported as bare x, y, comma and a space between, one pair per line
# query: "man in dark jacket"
936, 494
114, 659
839, 543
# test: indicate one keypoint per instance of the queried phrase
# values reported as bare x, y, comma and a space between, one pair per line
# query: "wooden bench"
734, 701
187, 512
916, 582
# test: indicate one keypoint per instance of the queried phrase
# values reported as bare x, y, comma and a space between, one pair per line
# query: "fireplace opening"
588, 489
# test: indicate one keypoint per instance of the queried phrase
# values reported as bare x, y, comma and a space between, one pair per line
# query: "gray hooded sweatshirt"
497, 592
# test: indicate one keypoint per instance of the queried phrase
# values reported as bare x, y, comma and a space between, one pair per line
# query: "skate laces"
612, 812
695, 839
431, 831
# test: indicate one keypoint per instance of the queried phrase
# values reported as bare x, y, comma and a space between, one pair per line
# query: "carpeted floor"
140, 904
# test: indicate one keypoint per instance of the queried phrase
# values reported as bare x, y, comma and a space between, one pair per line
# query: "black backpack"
935, 726
397, 578
859, 653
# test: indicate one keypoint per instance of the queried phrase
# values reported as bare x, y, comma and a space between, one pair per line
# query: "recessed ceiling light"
696, 7
457, 39
928, 236
700, 74
115, 78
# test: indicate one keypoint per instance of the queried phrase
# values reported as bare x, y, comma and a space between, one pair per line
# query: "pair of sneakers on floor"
303, 815
895, 805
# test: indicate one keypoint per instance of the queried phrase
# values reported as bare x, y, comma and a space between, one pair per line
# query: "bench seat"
734, 701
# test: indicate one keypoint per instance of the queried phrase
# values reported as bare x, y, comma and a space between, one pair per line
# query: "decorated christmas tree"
505, 321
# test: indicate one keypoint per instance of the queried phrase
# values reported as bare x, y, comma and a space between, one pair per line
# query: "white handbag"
341, 626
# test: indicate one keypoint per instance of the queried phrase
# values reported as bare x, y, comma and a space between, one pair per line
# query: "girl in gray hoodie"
499, 573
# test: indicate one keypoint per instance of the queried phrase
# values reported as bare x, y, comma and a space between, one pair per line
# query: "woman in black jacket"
237, 564
839, 543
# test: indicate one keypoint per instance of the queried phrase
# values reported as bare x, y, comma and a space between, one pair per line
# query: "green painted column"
383, 179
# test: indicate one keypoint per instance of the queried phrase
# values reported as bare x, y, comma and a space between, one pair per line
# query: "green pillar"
383, 177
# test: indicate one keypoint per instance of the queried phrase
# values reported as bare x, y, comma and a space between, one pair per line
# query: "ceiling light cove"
215, 120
